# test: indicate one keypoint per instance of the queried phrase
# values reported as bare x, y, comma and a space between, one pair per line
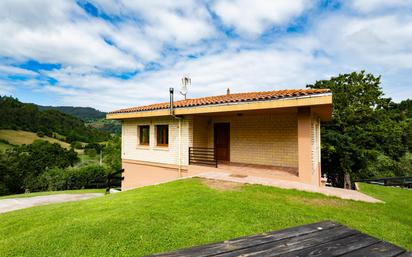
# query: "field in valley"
19, 137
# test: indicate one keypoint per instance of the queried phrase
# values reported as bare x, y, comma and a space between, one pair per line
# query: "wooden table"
318, 239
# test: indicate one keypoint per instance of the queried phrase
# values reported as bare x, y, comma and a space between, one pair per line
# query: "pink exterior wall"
304, 145
138, 175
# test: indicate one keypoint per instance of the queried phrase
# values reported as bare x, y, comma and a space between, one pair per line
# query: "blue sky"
113, 54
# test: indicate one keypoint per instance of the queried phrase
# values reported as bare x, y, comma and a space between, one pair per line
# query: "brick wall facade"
265, 139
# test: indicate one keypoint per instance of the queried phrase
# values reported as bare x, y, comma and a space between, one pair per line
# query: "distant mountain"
84, 113
47, 121
92, 117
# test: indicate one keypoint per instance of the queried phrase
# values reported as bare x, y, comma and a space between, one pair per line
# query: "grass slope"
187, 213
19, 137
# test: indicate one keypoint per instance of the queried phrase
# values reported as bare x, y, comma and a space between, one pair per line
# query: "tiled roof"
228, 98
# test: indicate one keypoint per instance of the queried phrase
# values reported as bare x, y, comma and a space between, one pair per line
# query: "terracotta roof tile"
230, 98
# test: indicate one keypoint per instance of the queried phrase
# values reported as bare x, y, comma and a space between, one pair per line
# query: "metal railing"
202, 156
398, 181
114, 180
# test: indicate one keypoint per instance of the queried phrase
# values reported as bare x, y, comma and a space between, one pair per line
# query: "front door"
222, 141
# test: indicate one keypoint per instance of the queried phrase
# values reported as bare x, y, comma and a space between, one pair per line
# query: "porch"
244, 170
279, 144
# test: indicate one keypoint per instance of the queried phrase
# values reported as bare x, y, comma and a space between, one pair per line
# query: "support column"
304, 145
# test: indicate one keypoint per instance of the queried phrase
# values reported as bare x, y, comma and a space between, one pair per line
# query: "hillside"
110, 126
19, 137
92, 117
84, 113
16, 115
192, 212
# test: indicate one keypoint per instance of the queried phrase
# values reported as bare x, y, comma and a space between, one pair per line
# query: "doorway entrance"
222, 141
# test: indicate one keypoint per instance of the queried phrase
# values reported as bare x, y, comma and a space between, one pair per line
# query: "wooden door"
222, 141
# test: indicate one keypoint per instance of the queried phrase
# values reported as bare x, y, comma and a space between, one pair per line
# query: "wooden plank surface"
335, 248
408, 254
324, 238
381, 249
248, 241
294, 243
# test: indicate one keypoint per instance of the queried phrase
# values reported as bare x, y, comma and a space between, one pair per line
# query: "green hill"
92, 117
84, 113
16, 115
110, 126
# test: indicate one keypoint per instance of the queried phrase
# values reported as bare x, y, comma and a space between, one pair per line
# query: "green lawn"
187, 213
80, 191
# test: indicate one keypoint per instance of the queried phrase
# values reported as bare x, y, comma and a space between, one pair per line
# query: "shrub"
405, 165
76, 145
53, 180
90, 152
90, 176
40, 134
4, 141
381, 167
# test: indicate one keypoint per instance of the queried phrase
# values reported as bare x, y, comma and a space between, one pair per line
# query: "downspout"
172, 113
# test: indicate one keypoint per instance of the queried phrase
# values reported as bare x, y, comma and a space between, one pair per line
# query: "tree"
112, 154
17, 115
24, 164
361, 127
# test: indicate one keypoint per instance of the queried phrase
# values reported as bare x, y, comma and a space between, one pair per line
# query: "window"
144, 132
162, 135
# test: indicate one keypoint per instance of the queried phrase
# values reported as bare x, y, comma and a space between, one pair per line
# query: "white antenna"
186, 81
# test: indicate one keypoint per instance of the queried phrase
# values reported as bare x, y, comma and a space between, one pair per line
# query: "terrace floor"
318, 239
245, 170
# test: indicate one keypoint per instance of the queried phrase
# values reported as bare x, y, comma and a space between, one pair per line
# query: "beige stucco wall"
200, 131
131, 150
265, 139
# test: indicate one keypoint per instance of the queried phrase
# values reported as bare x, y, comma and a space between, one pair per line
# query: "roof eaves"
233, 102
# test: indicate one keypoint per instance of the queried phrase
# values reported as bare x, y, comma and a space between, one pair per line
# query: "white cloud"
382, 42
178, 22
49, 33
367, 6
11, 70
333, 42
251, 18
6, 89
251, 70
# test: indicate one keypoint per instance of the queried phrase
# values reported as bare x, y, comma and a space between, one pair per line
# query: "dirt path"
13, 204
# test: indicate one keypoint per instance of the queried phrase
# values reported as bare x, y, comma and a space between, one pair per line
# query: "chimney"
228, 91
171, 91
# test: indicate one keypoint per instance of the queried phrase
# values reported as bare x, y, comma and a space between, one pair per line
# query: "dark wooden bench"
324, 238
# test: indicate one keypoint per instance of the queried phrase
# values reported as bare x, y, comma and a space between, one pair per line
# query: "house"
273, 134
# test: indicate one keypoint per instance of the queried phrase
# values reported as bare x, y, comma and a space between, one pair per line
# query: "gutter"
172, 113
